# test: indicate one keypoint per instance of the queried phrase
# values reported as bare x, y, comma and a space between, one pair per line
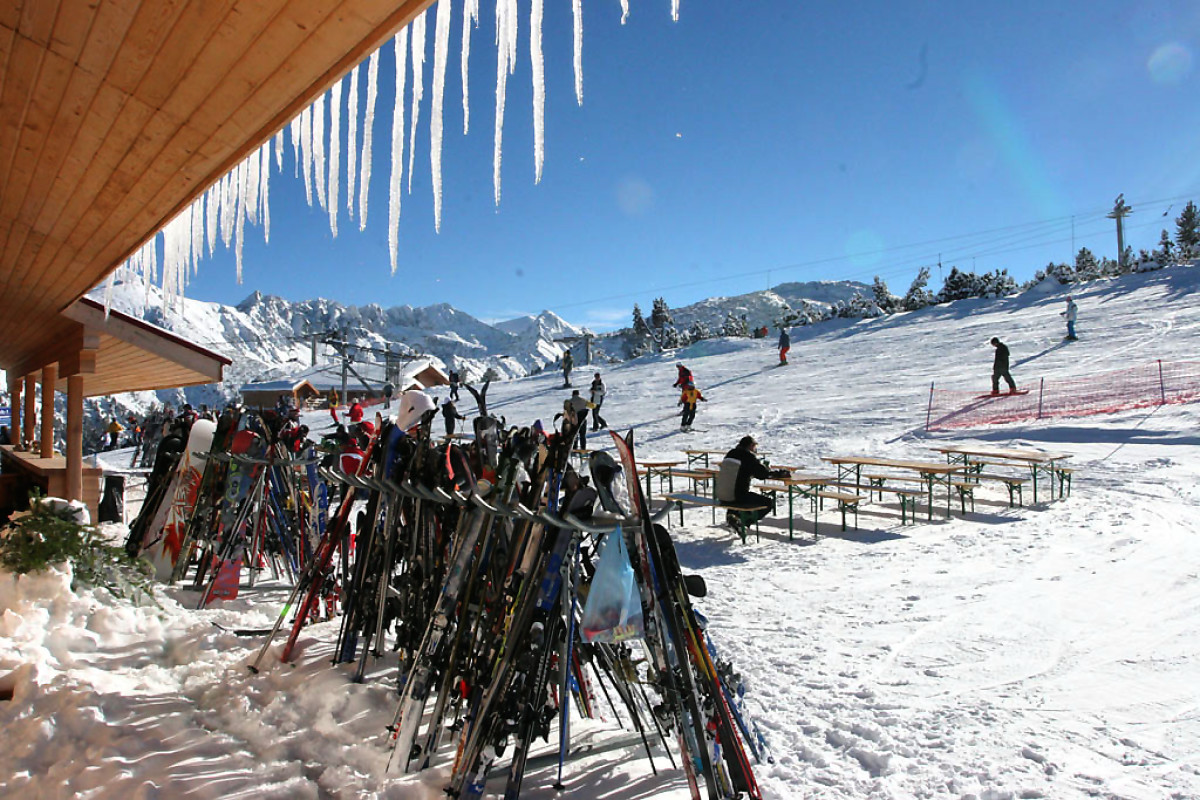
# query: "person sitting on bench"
736, 470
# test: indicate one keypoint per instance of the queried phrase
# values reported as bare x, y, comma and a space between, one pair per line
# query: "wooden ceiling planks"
115, 115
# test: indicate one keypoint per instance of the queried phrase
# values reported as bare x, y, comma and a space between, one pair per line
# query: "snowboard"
180, 500
990, 396
228, 565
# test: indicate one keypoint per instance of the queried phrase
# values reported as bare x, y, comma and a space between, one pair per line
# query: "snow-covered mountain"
769, 306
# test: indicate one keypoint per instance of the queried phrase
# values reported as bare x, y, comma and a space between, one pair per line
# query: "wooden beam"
30, 409
49, 378
15, 385
75, 438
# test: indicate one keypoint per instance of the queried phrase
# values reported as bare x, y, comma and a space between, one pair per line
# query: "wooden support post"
30, 408
49, 378
15, 384
75, 437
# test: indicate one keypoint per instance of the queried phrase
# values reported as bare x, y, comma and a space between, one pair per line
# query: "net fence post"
1041, 395
929, 409
1162, 389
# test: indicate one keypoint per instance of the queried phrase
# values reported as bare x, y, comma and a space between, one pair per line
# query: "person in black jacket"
1000, 367
450, 414
737, 469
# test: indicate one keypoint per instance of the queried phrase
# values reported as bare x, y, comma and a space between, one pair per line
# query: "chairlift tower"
1120, 209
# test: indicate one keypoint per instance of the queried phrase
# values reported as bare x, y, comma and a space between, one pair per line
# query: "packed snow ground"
1046, 651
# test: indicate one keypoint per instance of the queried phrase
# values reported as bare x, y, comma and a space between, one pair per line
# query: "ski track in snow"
1049, 651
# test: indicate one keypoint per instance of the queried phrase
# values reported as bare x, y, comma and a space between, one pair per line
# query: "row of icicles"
316, 140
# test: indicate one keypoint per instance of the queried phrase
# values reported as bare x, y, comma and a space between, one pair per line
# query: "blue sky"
754, 143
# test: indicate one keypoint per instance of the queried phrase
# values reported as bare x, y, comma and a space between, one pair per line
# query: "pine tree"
640, 327
958, 286
884, 299
1187, 231
1087, 268
699, 331
1166, 249
918, 296
660, 315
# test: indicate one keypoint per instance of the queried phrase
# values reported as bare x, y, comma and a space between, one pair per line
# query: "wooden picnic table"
659, 469
801, 484
694, 456
932, 472
1038, 461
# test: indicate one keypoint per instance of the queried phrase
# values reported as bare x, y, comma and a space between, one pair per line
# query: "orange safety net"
1154, 384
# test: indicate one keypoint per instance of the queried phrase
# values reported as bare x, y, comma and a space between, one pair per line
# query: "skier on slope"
1000, 368
785, 344
450, 414
568, 362
597, 397
454, 379
736, 470
684, 378
1071, 314
688, 399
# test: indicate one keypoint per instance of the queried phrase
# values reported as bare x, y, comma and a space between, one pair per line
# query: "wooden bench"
1014, 485
1064, 480
844, 501
700, 501
966, 491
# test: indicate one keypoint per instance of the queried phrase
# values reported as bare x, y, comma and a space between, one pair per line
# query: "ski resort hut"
114, 118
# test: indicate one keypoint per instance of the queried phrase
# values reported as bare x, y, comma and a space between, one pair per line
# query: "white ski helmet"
413, 404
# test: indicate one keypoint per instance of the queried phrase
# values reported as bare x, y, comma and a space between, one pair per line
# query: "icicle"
306, 150
212, 204
278, 150
295, 128
396, 183
368, 126
335, 142
240, 212
577, 31
539, 87
441, 48
470, 14
624, 11
318, 134
250, 196
265, 191
506, 57
227, 208
352, 139
418, 64
108, 290
675, 10
197, 244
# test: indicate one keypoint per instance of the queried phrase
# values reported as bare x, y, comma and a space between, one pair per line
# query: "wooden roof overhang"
120, 353
115, 115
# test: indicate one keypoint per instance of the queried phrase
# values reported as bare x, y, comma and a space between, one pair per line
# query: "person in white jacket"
1071, 313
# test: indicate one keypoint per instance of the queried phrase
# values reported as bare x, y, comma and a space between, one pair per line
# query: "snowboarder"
785, 344
684, 379
568, 361
450, 414
737, 469
688, 399
1000, 368
1071, 313
454, 379
597, 396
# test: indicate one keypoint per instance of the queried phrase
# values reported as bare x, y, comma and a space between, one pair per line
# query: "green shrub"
42, 538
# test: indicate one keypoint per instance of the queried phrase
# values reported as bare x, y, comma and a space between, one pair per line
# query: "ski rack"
607, 522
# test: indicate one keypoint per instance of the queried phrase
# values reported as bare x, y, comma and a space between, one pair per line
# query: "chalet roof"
114, 116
